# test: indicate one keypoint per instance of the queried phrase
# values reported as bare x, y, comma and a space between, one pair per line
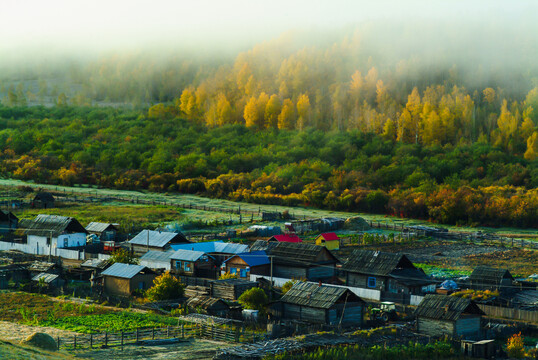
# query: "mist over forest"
426, 111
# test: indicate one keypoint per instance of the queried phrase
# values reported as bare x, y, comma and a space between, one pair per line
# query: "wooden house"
439, 315
104, 231
218, 250
8, 221
208, 305
65, 232
290, 238
230, 289
321, 304
329, 240
193, 263
387, 272
299, 261
43, 200
244, 264
123, 279
148, 240
489, 278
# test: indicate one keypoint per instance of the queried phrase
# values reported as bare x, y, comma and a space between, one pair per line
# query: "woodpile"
197, 291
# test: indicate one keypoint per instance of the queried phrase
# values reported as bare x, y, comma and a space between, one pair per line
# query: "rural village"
265, 285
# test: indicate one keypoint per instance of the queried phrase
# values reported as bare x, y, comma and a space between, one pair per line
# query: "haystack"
42, 341
356, 223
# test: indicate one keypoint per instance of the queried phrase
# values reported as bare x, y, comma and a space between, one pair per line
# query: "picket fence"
42, 250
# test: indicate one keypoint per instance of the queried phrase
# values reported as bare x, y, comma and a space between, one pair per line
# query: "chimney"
319, 283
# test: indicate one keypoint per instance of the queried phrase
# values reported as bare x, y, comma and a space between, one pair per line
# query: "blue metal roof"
254, 258
153, 238
212, 247
126, 271
187, 255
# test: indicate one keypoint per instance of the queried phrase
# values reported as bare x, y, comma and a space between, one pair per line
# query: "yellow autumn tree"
286, 119
532, 147
303, 111
272, 110
406, 127
187, 102
389, 130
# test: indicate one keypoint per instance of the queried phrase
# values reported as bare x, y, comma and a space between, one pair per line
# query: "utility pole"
271, 284
148, 240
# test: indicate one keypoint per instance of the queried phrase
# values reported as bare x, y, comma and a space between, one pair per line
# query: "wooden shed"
8, 221
230, 289
489, 278
148, 240
299, 260
322, 304
329, 240
43, 200
244, 264
104, 231
49, 280
388, 272
209, 306
439, 315
122, 279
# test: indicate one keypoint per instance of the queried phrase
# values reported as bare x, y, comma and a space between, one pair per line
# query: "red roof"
329, 236
287, 238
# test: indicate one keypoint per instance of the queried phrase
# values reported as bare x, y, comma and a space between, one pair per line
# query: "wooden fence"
143, 336
510, 313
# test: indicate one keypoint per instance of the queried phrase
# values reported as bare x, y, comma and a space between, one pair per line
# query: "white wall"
73, 240
34, 240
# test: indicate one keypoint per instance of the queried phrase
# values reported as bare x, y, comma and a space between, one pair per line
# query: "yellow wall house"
329, 240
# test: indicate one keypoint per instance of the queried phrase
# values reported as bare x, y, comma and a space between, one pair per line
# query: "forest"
332, 123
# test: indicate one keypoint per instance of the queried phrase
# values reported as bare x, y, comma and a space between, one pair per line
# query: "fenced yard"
224, 333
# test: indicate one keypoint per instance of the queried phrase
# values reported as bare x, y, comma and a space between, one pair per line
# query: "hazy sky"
104, 24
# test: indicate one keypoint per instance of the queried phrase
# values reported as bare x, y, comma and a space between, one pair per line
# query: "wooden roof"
300, 253
45, 225
205, 302
489, 276
376, 262
313, 295
443, 307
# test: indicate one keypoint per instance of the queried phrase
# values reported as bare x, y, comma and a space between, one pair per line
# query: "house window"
243, 273
141, 285
178, 265
371, 282
66, 242
233, 271
187, 266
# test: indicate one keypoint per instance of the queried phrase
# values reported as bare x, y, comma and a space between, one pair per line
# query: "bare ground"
16, 332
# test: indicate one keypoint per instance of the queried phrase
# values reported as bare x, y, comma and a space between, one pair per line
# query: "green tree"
123, 256
254, 299
165, 287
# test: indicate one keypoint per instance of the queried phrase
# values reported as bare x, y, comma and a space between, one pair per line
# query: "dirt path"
16, 332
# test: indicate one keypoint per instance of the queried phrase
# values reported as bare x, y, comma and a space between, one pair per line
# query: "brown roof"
376, 262
205, 302
486, 275
313, 295
45, 225
443, 307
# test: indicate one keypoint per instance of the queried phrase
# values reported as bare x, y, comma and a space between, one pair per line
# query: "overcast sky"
104, 24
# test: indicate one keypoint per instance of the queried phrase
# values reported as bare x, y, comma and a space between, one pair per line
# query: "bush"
515, 347
287, 286
165, 287
254, 299
227, 276
123, 256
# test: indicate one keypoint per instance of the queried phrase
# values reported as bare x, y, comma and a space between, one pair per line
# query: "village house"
329, 240
299, 261
123, 279
43, 200
65, 232
157, 259
104, 231
8, 221
148, 240
489, 278
439, 315
388, 272
321, 304
244, 264
218, 250
193, 263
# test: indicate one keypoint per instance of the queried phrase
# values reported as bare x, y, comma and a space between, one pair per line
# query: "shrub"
227, 276
165, 287
287, 286
515, 347
254, 299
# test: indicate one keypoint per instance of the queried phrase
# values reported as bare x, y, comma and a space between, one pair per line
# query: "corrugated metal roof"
263, 245
44, 225
41, 266
213, 247
443, 307
313, 295
287, 238
253, 258
99, 227
126, 271
204, 302
48, 278
376, 262
187, 255
329, 236
154, 255
155, 238
299, 253
95, 263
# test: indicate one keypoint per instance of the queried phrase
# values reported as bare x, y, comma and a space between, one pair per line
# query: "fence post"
75, 342
153, 333
168, 331
136, 335
58, 343
106, 339
91, 341
213, 332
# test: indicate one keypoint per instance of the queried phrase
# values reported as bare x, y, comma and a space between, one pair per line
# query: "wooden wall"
433, 327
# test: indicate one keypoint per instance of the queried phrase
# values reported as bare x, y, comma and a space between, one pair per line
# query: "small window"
233, 271
66, 242
178, 265
141, 285
187, 266
371, 282
243, 273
